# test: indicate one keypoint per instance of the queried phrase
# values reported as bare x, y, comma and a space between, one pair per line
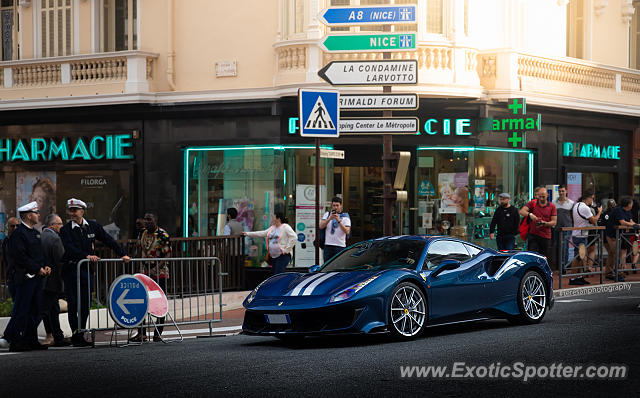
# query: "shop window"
106, 193
257, 181
56, 27
9, 15
457, 188
118, 25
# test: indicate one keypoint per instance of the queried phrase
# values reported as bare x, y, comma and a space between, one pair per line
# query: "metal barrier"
595, 240
190, 289
229, 249
627, 240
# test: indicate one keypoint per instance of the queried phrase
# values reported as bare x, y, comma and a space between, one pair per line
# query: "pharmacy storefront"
51, 168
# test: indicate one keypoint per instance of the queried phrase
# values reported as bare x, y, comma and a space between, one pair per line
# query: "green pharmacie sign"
109, 147
590, 151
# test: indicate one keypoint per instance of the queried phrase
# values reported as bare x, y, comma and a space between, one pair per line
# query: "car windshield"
378, 255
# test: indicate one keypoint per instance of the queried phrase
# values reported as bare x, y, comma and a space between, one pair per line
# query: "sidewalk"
592, 279
232, 316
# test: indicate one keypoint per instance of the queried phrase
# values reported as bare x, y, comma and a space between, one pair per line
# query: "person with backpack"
620, 217
337, 226
543, 216
582, 218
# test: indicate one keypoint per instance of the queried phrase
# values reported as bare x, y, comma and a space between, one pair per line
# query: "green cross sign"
515, 106
515, 139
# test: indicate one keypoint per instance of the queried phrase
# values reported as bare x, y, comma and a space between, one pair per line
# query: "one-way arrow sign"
121, 301
370, 73
128, 301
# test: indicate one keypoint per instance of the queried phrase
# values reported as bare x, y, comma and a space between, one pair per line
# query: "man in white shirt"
564, 206
582, 218
337, 226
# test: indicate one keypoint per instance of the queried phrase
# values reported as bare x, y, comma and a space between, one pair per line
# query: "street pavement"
582, 330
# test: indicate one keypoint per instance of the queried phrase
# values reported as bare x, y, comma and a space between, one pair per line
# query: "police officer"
78, 237
12, 224
29, 269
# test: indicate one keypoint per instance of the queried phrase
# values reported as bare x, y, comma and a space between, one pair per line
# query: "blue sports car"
401, 285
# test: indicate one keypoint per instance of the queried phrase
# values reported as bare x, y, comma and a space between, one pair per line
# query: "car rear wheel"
407, 311
532, 298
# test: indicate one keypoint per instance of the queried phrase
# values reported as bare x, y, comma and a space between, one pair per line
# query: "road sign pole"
387, 170
317, 201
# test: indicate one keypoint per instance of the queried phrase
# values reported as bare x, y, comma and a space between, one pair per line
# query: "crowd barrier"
589, 259
190, 289
627, 253
229, 249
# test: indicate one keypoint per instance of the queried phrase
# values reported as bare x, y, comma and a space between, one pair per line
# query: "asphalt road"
599, 329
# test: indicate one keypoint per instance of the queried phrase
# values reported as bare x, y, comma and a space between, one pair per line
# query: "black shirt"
506, 219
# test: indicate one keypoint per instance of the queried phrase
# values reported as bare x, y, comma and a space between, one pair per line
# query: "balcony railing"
558, 79
116, 72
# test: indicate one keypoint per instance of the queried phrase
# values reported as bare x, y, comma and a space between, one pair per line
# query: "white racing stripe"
315, 283
301, 285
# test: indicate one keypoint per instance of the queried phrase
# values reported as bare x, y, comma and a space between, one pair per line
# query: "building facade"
185, 108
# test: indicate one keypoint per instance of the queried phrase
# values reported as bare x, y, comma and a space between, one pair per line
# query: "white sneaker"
4, 343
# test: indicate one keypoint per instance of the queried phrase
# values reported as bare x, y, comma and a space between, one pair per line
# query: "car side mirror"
446, 265
314, 268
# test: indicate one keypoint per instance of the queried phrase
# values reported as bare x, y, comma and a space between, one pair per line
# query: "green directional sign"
370, 42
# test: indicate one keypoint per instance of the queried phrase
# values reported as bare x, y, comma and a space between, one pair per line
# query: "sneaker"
578, 281
620, 278
585, 282
157, 338
610, 277
4, 343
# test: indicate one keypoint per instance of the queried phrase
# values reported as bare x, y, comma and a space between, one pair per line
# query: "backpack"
604, 217
322, 233
524, 224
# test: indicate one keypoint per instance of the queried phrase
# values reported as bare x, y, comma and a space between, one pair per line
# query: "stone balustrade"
134, 69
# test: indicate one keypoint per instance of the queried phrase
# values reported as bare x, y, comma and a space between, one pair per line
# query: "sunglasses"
12, 226
35, 211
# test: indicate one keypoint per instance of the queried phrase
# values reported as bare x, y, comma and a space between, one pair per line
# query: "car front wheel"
407, 311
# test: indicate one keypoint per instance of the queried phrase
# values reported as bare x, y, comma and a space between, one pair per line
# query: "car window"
377, 255
473, 250
441, 250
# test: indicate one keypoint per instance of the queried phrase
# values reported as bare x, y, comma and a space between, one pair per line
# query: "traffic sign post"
370, 73
319, 114
374, 102
128, 301
369, 42
387, 125
369, 15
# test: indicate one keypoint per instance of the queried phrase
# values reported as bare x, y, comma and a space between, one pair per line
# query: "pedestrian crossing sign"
319, 113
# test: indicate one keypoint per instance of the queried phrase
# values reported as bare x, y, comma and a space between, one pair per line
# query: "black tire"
407, 311
532, 299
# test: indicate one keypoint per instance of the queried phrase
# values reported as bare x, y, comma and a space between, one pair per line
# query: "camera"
333, 212
539, 223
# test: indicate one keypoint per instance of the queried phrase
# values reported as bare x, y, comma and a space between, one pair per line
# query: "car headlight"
350, 291
254, 292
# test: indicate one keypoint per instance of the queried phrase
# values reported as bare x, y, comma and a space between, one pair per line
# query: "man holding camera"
338, 225
542, 217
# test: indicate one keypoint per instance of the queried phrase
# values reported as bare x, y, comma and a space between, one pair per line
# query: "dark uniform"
53, 252
8, 266
78, 243
26, 252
